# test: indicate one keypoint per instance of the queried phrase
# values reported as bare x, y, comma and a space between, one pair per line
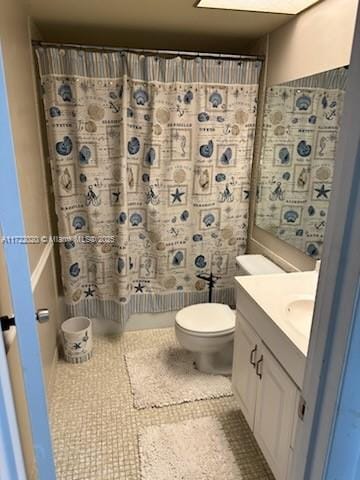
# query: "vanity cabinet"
267, 395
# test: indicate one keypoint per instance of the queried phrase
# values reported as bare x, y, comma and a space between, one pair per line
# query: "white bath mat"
196, 449
166, 376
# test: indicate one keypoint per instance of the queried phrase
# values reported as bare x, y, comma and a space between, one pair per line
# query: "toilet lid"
206, 318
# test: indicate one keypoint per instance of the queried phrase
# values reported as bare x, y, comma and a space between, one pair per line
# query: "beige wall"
319, 39
17, 56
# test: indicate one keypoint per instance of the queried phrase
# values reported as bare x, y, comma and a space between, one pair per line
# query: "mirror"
299, 137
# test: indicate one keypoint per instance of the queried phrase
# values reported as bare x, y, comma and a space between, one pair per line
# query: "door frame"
335, 313
16, 257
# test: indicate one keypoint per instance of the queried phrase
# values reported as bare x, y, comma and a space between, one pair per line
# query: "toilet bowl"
207, 330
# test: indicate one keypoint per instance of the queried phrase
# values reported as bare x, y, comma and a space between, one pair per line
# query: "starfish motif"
77, 346
322, 191
177, 195
139, 288
116, 195
89, 292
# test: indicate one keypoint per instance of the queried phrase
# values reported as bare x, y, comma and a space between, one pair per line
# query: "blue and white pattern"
141, 155
301, 130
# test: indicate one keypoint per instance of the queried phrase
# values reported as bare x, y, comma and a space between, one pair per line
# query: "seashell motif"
322, 213
279, 130
284, 155
106, 248
150, 157
66, 181
303, 149
96, 112
162, 115
324, 102
323, 173
200, 285
82, 178
312, 119
130, 177
113, 95
203, 117
133, 145
207, 149
226, 157
312, 250
160, 246
78, 222
74, 270
220, 119
135, 219
200, 261
311, 211
188, 97
147, 117
120, 264
286, 176
122, 218
291, 216
69, 244
90, 126
141, 96
178, 258
241, 117
232, 241
209, 219
303, 102
169, 282
129, 112
197, 237
333, 104
84, 155
77, 295
54, 112
276, 117
204, 179
220, 177
65, 92
146, 178
184, 216
179, 176
294, 120
65, 147
299, 232
215, 99
157, 129
235, 130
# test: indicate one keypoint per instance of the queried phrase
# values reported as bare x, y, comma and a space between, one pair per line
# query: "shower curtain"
150, 160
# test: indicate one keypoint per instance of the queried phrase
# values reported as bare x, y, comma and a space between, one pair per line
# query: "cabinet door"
244, 380
275, 410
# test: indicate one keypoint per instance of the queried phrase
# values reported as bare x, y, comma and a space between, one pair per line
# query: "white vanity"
273, 323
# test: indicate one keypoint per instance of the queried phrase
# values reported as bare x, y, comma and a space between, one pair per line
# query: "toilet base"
215, 363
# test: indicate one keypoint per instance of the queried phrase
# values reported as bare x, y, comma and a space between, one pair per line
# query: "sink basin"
299, 313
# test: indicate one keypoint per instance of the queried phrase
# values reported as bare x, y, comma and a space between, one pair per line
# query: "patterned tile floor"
95, 426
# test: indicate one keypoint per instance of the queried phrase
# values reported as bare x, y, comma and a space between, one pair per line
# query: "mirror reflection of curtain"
300, 133
157, 153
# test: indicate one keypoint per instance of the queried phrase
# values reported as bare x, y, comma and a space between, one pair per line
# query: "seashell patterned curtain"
150, 163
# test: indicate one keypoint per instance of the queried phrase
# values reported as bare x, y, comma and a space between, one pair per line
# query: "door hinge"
302, 408
7, 322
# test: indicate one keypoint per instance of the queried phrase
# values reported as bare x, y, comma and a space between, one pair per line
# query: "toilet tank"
256, 265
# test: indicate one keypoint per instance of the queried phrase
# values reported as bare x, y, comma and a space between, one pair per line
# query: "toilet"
207, 329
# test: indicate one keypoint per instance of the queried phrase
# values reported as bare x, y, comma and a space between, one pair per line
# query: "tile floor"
95, 425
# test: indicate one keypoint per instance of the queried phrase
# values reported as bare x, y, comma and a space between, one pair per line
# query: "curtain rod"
228, 56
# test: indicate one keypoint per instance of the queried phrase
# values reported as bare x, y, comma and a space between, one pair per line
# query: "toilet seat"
206, 319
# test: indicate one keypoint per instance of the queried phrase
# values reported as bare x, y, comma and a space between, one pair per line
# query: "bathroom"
181, 179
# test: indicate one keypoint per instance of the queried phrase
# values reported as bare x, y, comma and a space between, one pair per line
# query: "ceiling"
166, 24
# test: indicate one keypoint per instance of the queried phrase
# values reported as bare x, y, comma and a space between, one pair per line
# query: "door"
244, 379
11, 226
275, 413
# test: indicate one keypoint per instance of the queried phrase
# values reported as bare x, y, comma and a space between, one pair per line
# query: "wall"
17, 56
318, 39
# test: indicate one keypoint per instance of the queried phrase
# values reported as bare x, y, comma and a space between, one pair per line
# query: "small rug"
167, 376
196, 449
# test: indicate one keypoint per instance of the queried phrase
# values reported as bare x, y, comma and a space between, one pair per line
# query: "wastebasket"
77, 339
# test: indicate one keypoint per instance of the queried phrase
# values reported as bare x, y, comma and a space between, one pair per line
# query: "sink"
280, 308
299, 314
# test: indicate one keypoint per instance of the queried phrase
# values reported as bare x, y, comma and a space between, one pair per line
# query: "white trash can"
77, 339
